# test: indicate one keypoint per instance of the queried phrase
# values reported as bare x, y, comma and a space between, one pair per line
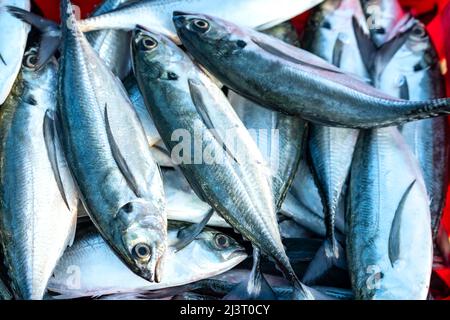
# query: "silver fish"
277, 75
279, 137
156, 15
330, 150
389, 245
112, 45
385, 18
13, 39
107, 151
413, 73
90, 267
236, 182
38, 209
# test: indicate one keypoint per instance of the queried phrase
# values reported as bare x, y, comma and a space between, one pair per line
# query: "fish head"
156, 56
206, 35
31, 71
383, 18
219, 247
144, 238
419, 41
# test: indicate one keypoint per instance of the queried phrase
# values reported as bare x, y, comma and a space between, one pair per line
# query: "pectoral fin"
396, 232
118, 157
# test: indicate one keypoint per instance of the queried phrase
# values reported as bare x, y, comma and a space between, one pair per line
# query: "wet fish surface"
107, 151
90, 267
389, 245
277, 75
38, 211
236, 183
413, 73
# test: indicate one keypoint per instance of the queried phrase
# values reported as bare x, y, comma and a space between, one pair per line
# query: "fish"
413, 73
108, 154
385, 18
186, 105
279, 137
294, 81
156, 15
38, 196
389, 242
90, 268
11, 52
330, 35
112, 45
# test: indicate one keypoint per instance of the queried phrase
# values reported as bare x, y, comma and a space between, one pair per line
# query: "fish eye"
419, 32
201, 25
30, 60
142, 251
148, 43
221, 241
380, 31
128, 208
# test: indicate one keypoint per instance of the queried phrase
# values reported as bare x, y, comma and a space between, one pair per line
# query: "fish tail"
427, 109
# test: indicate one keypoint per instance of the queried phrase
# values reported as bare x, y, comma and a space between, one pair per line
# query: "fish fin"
51, 33
337, 52
3, 60
118, 157
73, 231
50, 142
404, 89
186, 235
321, 264
47, 48
395, 233
330, 243
255, 287
321, 65
197, 98
366, 46
385, 54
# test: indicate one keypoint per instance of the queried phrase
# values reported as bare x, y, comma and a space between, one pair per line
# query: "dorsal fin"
118, 157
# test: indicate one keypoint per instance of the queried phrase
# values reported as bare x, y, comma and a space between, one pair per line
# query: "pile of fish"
148, 150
